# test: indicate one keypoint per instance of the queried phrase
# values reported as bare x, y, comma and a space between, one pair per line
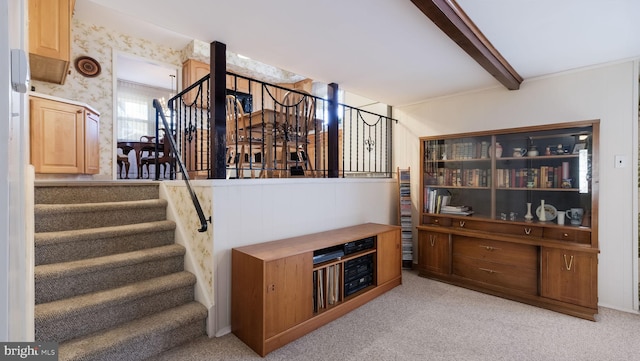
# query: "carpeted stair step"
94, 192
58, 321
63, 217
72, 245
69, 279
139, 339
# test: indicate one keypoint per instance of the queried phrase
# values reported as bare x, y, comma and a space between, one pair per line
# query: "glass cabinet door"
457, 176
550, 169
531, 175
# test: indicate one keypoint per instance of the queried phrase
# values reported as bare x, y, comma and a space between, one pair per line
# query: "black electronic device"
358, 267
358, 274
359, 245
357, 284
328, 254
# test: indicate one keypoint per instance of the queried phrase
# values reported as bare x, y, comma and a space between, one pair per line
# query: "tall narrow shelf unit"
488, 240
404, 216
284, 289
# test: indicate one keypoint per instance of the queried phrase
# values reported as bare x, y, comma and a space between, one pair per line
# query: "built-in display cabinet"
514, 213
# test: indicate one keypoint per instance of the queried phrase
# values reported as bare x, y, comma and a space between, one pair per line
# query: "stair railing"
174, 149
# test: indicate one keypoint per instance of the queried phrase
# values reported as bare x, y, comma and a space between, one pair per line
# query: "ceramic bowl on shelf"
550, 212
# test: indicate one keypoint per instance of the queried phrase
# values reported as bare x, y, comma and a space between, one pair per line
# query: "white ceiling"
386, 50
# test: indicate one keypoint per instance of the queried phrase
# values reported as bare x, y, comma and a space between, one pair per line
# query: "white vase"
543, 214
528, 217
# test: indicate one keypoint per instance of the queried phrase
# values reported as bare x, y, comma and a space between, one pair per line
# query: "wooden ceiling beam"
453, 21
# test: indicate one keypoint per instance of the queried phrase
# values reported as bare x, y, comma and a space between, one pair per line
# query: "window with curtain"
136, 116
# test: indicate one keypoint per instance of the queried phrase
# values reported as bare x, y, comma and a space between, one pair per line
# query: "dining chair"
123, 163
165, 157
244, 145
147, 139
298, 109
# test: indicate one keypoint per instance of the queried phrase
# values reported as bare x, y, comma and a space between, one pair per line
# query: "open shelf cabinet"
284, 289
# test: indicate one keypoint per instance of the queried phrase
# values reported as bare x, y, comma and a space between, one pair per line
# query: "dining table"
138, 147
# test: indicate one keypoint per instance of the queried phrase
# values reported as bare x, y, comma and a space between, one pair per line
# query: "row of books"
543, 177
456, 177
438, 201
457, 150
326, 287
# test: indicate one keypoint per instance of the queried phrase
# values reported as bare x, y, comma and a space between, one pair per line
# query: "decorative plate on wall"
87, 66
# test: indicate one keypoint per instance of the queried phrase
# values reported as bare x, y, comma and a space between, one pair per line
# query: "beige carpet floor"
428, 320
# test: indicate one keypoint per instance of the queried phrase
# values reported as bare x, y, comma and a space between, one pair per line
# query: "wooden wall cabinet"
489, 214
570, 276
274, 289
64, 137
192, 71
50, 39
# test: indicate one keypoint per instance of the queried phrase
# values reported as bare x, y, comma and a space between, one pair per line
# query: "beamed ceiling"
394, 51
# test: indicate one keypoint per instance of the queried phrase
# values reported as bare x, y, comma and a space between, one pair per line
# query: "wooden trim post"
218, 122
332, 141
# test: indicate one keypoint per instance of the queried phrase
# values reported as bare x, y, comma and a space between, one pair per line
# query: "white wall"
608, 93
16, 241
5, 101
255, 211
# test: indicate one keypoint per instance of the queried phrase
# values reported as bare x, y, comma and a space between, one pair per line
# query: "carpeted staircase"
109, 279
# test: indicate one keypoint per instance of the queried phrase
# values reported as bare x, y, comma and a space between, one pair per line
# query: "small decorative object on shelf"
542, 216
498, 150
519, 152
528, 217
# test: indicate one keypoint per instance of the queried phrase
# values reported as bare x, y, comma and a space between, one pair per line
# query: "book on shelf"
457, 210
541, 177
458, 213
435, 199
330, 285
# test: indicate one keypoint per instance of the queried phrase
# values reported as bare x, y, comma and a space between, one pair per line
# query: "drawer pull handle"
490, 271
436, 220
565, 235
527, 231
432, 240
461, 223
489, 248
569, 264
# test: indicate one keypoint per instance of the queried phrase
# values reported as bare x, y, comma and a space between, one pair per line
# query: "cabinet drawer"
498, 274
511, 229
569, 235
436, 220
517, 255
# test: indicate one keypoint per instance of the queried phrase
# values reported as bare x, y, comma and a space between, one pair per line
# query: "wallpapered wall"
99, 43
200, 245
